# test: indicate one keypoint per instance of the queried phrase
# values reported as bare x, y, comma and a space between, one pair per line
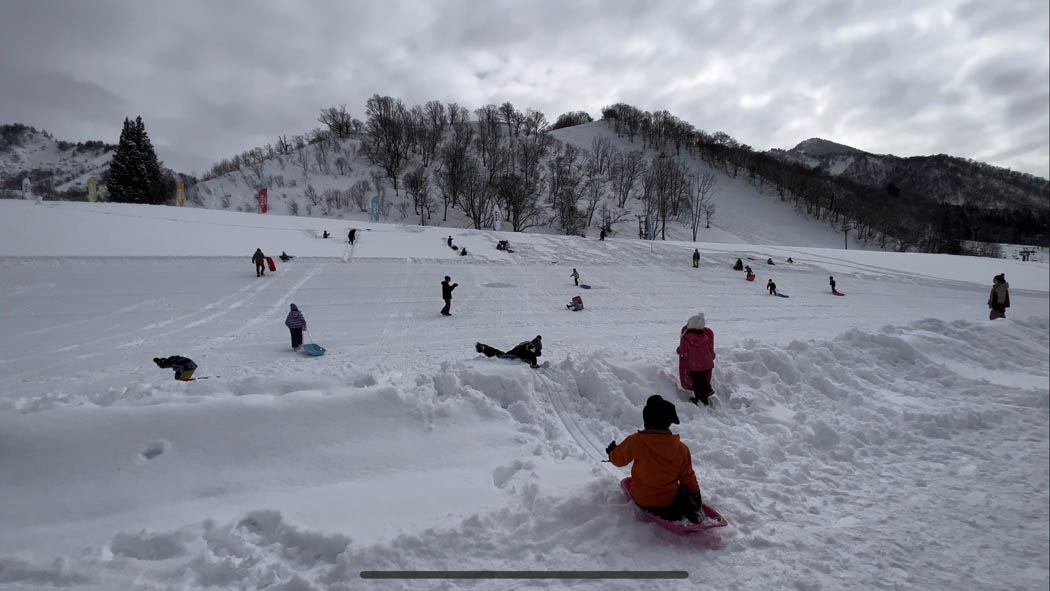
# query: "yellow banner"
92, 189
180, 194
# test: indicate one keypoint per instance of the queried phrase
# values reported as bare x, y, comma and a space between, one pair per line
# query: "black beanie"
659, 413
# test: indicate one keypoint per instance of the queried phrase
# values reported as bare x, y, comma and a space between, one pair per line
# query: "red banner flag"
262, 200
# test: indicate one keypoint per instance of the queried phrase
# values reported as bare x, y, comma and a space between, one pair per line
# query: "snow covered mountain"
940, 178
894, 438
54, 167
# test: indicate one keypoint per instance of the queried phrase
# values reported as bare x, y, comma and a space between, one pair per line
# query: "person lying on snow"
526, 350
663, 482
286, 257
183, 366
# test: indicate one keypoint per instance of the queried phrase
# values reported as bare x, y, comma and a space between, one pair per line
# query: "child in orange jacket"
663, 482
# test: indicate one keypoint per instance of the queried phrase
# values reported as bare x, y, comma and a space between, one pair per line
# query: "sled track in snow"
585, 441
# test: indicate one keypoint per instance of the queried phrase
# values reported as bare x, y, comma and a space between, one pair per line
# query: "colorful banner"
262, 200
180, 194
92, 189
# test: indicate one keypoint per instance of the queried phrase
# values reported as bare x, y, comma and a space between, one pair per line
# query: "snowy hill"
335, 179
939, 179
52, 165
893, 438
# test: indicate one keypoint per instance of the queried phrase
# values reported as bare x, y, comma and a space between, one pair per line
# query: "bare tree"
434, 125
339, 122
453, 154
477, 196
709, 213
359, 194
417, 185
624, 172
702, 189
488, 139
535, 122
601, 154
302, 159
507, 111
520, 199
386, 140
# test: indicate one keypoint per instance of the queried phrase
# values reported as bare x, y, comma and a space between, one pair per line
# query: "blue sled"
782, 295
313, 349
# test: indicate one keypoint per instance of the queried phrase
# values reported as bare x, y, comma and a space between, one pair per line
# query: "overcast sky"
214, 78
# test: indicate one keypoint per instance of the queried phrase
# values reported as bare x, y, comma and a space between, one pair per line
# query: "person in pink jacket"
696, 358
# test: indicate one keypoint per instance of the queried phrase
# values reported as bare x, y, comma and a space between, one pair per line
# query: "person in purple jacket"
296, 324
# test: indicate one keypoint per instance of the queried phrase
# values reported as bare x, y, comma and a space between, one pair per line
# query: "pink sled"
712, 518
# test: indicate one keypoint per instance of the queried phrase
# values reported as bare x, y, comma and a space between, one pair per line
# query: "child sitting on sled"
576, 304
663, 482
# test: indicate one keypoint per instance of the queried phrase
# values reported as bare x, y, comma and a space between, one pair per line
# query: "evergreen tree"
135, 175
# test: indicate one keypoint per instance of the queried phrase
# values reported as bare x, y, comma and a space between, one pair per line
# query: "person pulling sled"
528, 351
662, 478
260, 262
296, 323
771, 287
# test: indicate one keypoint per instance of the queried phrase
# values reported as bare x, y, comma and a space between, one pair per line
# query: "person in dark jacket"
296, 323
575, 276
352, 235
738, 265
831, 280
286, 257
999, 298
260, 262
662, 478
528, 351
772, 287
446, 294
183, 366
696, 258
601, 235
325, 235
449, 240
769, 261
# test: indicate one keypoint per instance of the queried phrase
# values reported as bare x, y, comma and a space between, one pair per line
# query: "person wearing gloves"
296, 324
662, 478
183, 366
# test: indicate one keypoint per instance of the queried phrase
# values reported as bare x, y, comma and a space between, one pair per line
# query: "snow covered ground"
891, 439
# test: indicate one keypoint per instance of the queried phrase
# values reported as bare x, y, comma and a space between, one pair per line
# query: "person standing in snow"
575, 276
352, 235
296, 323
526, 350
446, 293
696, 358
772, 287
831, 280
183, 366
662, 478
325, 235
450, 240
260, 262
696, 258
601, 235
999, 298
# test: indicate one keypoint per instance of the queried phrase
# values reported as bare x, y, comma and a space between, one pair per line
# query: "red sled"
712, 518
837, 293
751, 277
270, 262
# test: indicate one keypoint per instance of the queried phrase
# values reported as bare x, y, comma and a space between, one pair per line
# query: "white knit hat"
696, 322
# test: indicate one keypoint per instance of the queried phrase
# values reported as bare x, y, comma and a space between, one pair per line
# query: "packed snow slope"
891, 439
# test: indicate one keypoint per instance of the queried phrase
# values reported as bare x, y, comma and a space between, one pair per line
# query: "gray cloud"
212, 79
